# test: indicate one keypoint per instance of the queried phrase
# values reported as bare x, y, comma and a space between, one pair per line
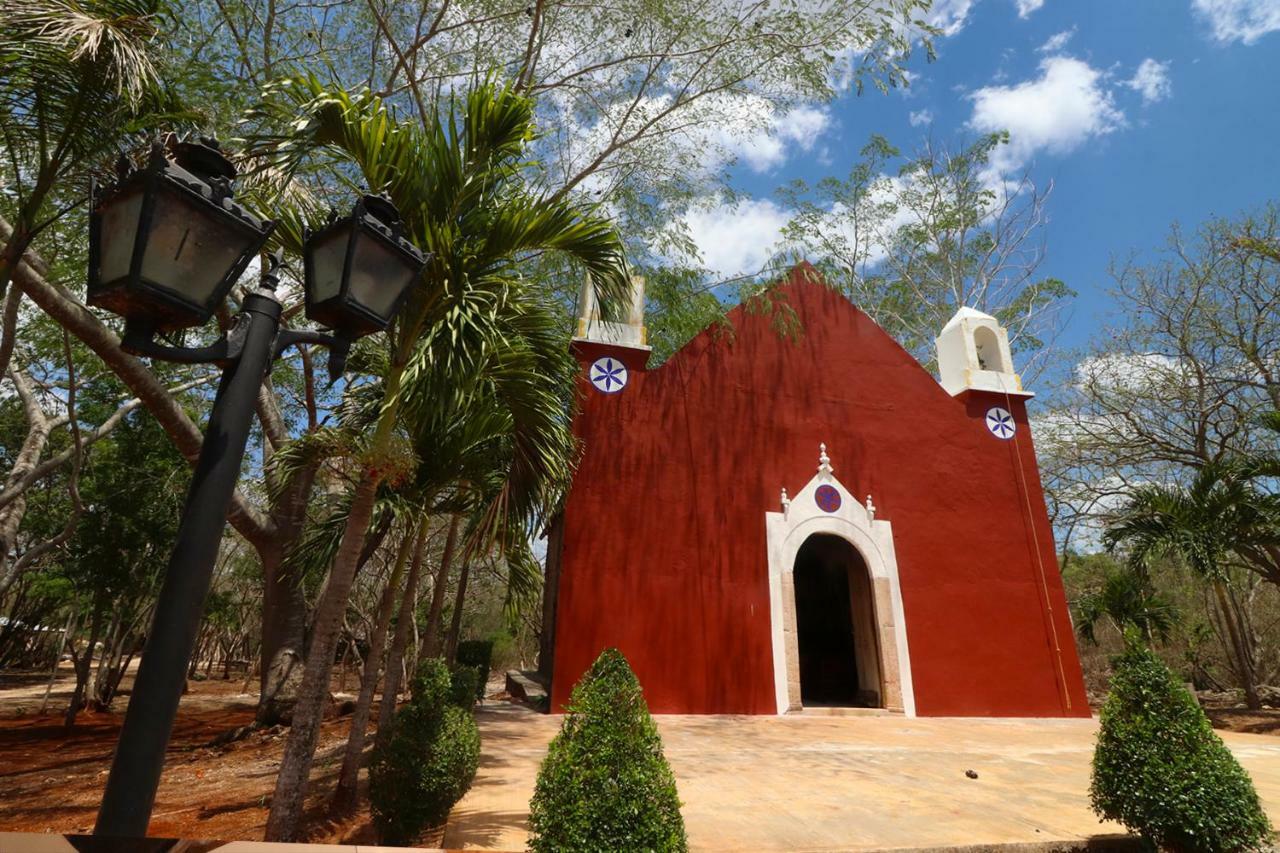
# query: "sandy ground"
839, 783
747, 782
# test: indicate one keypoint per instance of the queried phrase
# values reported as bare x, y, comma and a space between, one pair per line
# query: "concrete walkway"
838, 783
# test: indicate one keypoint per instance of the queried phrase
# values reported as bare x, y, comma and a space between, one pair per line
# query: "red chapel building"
767, 523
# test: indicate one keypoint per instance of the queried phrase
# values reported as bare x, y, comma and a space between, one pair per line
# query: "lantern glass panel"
328, 254
191, 249
119, 230
379, 274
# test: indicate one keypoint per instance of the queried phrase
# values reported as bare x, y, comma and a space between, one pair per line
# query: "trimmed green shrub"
477, 653
605, 784
462, 690
1160, 769
429, 761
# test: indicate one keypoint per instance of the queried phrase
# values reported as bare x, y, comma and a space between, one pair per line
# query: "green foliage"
429, 761
479, 654
465, 686
74, 79
1160, 770
911, 248
605, 784
1218, 513
1127, 600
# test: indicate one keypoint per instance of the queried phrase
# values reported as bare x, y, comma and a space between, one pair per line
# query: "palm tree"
75, 75
1127, 601
1206, 524
458, 181
495, 444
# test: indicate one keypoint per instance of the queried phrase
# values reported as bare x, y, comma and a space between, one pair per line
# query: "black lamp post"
166, 245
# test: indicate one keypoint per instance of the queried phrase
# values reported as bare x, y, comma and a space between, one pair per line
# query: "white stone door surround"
803, 515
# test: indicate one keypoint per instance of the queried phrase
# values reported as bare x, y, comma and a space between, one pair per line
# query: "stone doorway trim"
810, 512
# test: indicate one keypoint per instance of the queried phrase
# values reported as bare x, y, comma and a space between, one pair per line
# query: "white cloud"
766, 148
919, 118
736, 238
1062, 108
1057, 41
1245, 21
1026, 7
950, 16
1152, 80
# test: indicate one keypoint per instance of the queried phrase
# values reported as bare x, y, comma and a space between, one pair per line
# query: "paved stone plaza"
837, 782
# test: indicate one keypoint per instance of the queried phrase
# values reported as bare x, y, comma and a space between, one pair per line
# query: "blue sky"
1141, 113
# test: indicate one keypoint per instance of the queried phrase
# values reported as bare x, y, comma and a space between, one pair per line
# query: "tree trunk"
82, 665
1237, 642
404, 619
344, 795
431, 643
284, 821
284, 608
33, 444
57, 658
550, 592
112, 649
455, 624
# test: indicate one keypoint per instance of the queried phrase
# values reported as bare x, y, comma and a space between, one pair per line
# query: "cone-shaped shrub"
1160, 769
477, 653
430, 760
605, 784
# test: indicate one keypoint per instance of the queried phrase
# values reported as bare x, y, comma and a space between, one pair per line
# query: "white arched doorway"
825, 507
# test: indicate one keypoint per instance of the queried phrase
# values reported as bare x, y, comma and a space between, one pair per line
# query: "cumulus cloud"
1057, 111
1245, 21
950, 16
736, 238
1026, 7
1152, 81
766, 148
920, 118
1057, 41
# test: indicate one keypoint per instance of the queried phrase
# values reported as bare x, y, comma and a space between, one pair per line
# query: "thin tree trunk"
1237, 643
111, 649
284, 609
57, 658
431, 644
404, 619
284, 821
455, 624
344, 795
82, 665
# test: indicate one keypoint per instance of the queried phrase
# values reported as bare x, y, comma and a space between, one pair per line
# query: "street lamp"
166, 245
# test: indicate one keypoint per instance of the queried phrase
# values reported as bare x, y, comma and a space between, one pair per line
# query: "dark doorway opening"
830, 576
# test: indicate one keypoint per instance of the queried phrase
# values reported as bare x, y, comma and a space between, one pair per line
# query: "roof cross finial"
824, 461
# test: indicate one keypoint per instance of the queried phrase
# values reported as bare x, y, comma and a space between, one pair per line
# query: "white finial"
786, 501
871, 509
824, 461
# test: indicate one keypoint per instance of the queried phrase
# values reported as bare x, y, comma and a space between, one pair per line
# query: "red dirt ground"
52, 781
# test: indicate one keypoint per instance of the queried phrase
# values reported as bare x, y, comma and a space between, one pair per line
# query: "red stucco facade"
663, 550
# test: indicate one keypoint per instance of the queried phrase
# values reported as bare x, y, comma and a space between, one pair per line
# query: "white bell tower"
628, 333
973, 355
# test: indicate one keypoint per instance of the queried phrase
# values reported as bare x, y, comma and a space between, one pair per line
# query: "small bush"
462, 690
477, 653
429, 761
1160, 769
605, 784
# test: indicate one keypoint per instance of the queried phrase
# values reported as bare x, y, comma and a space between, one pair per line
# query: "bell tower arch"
973, 355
